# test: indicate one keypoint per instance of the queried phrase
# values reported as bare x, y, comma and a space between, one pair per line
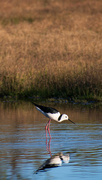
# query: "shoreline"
54, 100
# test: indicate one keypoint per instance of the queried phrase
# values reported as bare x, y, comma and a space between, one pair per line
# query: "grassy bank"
51, 48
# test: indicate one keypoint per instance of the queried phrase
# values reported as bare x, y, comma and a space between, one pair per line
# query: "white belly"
54, 116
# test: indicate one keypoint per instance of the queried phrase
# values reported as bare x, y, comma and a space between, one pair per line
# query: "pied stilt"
52, 114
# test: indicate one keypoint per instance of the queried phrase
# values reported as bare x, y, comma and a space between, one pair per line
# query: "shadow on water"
23, 145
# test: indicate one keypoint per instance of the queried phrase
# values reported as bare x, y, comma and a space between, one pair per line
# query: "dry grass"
51, 48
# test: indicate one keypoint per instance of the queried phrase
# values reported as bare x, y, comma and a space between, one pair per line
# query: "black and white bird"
55, 161
52, 114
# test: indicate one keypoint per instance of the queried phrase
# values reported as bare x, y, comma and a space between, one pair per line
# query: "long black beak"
71, 121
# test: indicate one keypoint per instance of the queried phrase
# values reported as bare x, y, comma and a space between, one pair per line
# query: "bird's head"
64, 117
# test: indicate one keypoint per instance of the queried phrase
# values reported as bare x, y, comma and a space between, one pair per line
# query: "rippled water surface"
23, 145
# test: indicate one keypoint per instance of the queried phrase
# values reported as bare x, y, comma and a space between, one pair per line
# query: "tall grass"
51, 48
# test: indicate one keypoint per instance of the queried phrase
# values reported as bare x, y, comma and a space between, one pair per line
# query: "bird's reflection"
55, 161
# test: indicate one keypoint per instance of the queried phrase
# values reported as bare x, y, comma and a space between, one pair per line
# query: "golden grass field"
51, 48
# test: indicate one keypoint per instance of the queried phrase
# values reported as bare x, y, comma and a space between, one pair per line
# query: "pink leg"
47, 128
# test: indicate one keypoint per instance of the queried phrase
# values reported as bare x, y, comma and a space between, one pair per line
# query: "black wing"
46, 109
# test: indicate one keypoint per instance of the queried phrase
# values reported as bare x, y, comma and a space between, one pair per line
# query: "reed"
51, 48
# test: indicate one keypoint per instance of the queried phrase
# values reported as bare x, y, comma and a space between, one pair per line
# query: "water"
23, 145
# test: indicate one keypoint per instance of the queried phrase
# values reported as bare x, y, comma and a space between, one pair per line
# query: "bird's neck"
59, 117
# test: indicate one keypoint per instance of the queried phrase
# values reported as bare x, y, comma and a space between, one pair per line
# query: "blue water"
23, 148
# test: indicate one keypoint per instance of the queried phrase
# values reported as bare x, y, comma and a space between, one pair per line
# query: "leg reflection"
48, 146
